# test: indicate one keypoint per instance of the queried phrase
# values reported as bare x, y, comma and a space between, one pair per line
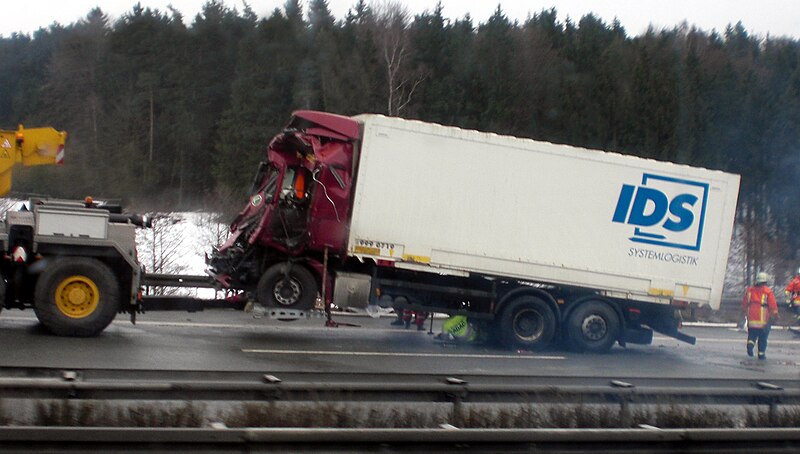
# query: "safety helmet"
761, 278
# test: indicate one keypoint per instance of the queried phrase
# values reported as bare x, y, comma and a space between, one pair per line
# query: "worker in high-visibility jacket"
759, 305
458, 328
793, 297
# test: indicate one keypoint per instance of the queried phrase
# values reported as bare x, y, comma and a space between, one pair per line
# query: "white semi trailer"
532, 240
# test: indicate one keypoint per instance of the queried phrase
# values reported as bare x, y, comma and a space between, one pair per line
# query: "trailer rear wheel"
593, 327
296, 289
76, 296
527, 322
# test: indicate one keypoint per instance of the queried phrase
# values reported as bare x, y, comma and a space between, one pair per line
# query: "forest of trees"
169, 116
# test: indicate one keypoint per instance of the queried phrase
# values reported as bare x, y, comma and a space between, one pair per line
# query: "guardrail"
177, 280
199, 386
388, 440
169, 387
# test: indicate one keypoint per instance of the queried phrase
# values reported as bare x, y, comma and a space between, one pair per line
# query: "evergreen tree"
265, 74
73, 100
498, 75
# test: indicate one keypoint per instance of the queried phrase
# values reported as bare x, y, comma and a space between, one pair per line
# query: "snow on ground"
178, 243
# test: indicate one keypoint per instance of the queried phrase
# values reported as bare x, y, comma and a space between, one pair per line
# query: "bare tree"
758, 245
161, 248
393, 41
213, 233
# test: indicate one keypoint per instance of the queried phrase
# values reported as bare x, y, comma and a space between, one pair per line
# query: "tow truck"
73, 262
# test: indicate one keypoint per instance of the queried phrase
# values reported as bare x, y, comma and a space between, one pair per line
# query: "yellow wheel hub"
77, 297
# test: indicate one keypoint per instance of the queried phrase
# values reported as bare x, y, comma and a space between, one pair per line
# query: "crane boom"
29, 147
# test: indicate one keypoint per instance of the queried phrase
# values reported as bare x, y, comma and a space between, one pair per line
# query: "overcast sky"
760, 17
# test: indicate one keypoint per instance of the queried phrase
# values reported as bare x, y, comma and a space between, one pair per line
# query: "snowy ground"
178, 243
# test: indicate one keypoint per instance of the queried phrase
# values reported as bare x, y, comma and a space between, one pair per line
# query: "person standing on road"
759, 305
419, 319
793, 297
404, 318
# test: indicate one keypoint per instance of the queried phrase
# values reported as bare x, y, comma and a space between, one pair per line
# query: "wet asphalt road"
235, 341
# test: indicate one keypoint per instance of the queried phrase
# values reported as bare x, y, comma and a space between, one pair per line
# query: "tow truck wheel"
593, 327
76, 296
296, 289
528, 323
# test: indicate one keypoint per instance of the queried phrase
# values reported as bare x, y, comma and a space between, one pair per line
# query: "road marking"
186, 324
362, 329
152, 323
743, 340
415, 355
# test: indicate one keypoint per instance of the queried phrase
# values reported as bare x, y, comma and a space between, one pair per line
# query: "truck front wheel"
527, 322
593, 327
287, 286
76, 296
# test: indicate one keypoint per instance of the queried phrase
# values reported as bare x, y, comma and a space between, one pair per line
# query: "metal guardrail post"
773, 410
625, 400
625, 418
771, 399
457, 398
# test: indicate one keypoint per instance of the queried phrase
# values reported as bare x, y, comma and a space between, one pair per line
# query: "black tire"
593, 327
528, 323
76, 296
297, 290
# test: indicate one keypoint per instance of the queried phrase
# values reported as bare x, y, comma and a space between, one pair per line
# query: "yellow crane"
29, 147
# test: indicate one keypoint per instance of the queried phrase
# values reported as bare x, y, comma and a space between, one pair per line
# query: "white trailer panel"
464, 200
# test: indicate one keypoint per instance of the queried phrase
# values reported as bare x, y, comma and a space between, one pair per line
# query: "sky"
774, 18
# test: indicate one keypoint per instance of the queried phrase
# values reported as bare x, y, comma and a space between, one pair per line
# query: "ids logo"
664, 211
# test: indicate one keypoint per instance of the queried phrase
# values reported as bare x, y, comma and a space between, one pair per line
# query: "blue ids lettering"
664, 211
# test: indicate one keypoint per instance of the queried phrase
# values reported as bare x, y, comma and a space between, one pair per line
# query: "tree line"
165, 115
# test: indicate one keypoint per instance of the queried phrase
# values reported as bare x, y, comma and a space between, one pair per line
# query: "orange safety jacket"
793, 289
759, 302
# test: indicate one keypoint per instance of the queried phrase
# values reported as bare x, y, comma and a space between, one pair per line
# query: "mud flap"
683, 337
639, 336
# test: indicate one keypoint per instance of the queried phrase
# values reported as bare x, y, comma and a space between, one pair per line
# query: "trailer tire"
76, 296
297, 290
527, 322
593, 327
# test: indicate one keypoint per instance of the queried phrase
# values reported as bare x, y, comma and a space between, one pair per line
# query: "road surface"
235, 341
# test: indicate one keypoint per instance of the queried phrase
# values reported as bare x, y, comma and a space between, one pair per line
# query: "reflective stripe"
758, 300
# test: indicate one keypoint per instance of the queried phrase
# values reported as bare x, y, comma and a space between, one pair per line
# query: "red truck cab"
297, 214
